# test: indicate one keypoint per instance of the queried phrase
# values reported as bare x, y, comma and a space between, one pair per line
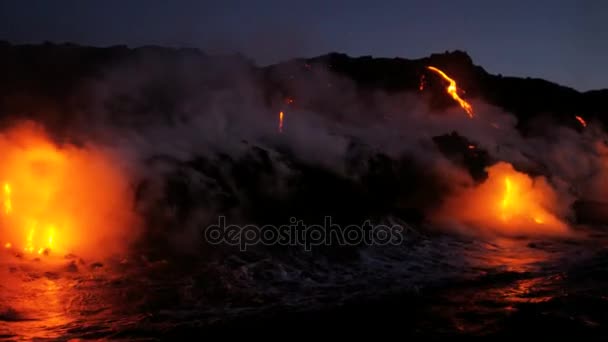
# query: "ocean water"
432, 285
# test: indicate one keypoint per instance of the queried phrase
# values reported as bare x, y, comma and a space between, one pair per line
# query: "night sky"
562, 41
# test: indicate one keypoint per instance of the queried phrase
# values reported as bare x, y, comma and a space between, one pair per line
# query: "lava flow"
452, 90
60, 199
581, 121
281, 115
509, 203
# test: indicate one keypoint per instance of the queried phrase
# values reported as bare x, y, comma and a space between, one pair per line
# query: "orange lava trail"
452, 90
281, 115
581, 120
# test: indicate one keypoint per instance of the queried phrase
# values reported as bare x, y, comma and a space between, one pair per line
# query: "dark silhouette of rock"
46, 82
524, 97
47, 77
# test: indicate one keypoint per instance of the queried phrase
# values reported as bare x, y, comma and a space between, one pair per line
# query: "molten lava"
452, 90
8, 204
281, 115
60, 199
581, 121
508, 202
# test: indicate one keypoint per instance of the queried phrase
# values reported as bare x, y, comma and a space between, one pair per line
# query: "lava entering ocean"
61, 199
508, 203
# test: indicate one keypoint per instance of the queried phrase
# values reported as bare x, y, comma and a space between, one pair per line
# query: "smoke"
199, 138
207, 119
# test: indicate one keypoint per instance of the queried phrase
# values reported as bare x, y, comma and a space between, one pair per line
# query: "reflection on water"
484, 284
529, 283
511, 255
535, 290
54, 298
33, 303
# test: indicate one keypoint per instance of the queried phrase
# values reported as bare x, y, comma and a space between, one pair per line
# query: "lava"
509, 203
281, 115
60, 199
452, 90
581, 121
8, 204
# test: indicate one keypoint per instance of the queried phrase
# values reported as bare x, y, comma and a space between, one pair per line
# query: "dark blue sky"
565, 41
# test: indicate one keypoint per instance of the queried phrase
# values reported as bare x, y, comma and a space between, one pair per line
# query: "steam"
208, 120
159, 118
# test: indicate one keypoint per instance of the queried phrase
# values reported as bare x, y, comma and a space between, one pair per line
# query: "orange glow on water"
59, 199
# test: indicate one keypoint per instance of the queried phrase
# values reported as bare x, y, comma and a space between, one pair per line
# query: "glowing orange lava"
452, 90
281, 115
8, 204
60, 199
508, 202
581, 121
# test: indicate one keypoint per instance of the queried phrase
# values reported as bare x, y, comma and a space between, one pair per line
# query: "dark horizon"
563, 45
258, 64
